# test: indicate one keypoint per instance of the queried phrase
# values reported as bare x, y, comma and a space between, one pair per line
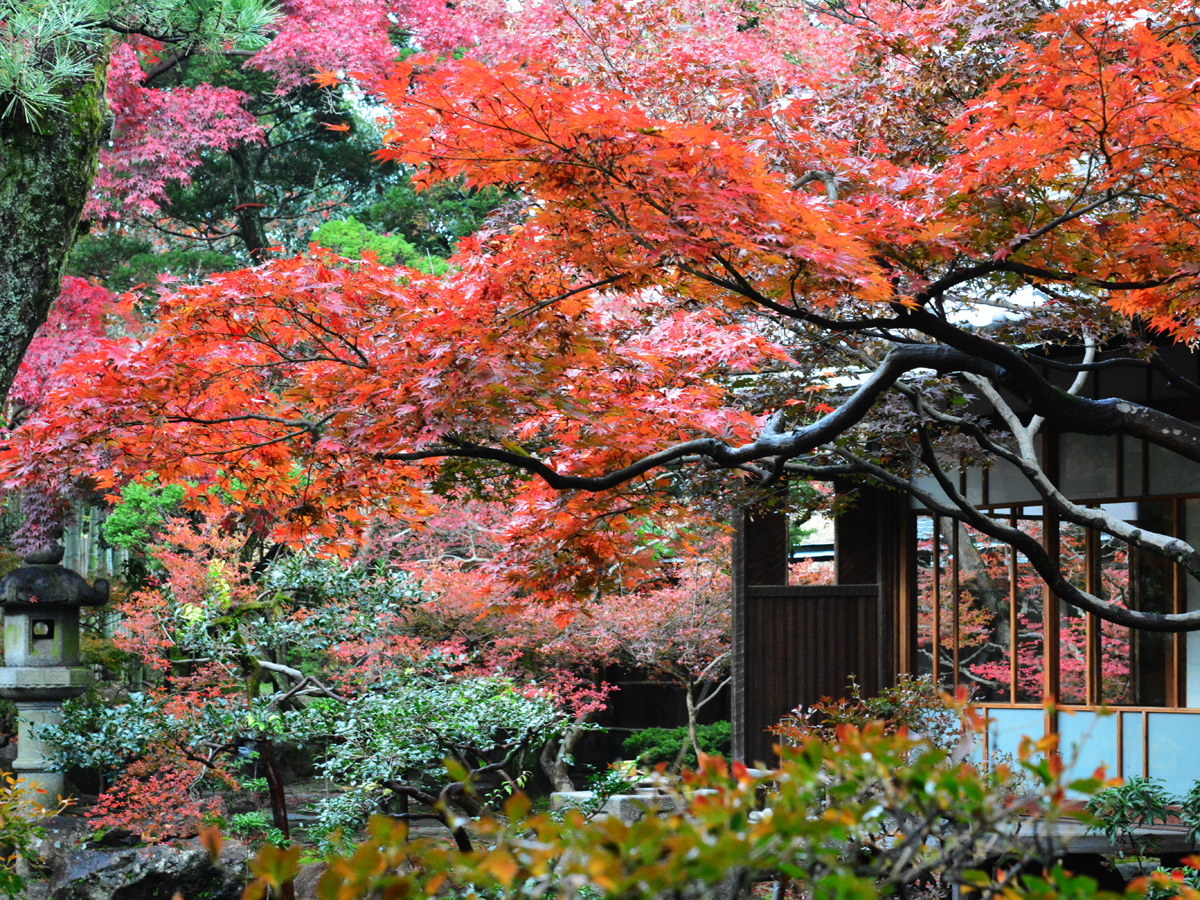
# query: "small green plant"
256, 829
1121, 809
241, 824
616, 779
1165, 883
1189, 813
651, 746
915, 703
348, 237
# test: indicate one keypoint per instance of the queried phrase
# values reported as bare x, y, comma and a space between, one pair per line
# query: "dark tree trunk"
279, 813
45, 177
247, 210
554, 755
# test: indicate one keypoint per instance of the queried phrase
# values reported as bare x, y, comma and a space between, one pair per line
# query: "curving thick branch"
978, 357
771, 443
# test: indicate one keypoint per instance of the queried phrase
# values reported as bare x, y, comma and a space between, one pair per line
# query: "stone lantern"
41, 602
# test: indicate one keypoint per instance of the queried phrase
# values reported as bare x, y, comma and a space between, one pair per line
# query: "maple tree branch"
770, 444
716, 692
1023, 543
953, 279
349, 343
542, 304
167, 64
1092, 517
1023, 240
741, 286
1025, 460
302, 425
826, 178
1015, 372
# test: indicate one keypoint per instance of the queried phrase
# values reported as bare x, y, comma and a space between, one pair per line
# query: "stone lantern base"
38, 693
31, 764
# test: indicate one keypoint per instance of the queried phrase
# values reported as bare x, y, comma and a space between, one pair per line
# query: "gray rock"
306, 880
631, 807
61, 835
564, 799
150, 873
626, 807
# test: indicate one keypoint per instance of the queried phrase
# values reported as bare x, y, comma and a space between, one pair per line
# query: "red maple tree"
741, 247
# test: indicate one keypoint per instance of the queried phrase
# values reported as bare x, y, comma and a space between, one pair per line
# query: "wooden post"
1050, 611
760, 557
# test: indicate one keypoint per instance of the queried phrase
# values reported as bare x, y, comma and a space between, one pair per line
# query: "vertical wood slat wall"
843, 627
795, 644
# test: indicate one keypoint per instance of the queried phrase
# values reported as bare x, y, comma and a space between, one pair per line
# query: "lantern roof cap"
43, 582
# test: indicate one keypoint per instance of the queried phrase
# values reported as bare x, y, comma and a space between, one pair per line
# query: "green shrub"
913, 702
134, 523
651, 746
256, 829
348, 237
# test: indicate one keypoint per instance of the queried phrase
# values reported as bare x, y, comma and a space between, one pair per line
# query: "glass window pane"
1170, 473
1006, 728
1030, 669
1172, 741
1132, 757
1116, 662
947, 576
1137, 664
1088, 740
1190, 690
926, 576
1007, 484
1132, 449
983, 615
1072, 622
1088, 466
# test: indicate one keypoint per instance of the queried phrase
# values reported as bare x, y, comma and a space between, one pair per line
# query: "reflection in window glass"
987, 632
1151, 579
975, 601
928, 590
1072, 621
1031, 678
1116, 663
983, 615
1135, 665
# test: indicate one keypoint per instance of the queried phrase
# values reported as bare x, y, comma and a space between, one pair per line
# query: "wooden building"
921, 594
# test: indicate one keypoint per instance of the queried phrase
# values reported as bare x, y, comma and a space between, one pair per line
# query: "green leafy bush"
256, 829
349, 237
19, 818
1117, 812
651, 746
914, 702
135, 521
392, 741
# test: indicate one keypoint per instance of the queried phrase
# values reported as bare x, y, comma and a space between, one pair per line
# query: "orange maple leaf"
325, 78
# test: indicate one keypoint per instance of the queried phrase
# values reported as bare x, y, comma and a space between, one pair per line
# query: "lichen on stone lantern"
41, 603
